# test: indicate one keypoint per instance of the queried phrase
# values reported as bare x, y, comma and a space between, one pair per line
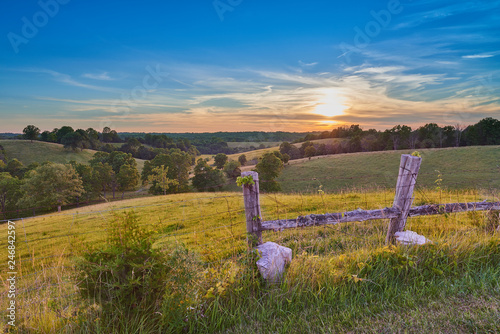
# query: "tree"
220, 160
15, 168
242, 159
458, 133
232, 169
103, 175
91, 184
31, 132
309, 152
9, 192
269, 168
73, 140
178, 163
127, 178
159, 176
60, 133
48, 136
50, 185
285, 147
207, 178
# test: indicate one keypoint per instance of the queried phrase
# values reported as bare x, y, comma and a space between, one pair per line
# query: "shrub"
134, 283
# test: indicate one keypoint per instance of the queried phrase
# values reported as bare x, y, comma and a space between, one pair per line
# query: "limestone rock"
411, 238
273, 260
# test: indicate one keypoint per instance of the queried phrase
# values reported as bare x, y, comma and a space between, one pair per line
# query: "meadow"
343, 278
37, 151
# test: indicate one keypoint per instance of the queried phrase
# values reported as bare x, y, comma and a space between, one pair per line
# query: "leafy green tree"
93, 138
73, 140
103, 175
232, 169
304, 146
91, 185
309, 152
179, 165
207, 178
31, 132
15, 168
127, 178
63, 131
10, 192
285, 147
220, 160
269, 168
48, 136
285, 158
242, 159
50, 185
159, 176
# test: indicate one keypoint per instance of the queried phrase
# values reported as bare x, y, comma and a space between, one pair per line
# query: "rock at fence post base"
411, 238
273, 260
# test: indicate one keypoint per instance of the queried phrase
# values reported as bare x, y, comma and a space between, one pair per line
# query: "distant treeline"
431, 135
148, 145
213, 143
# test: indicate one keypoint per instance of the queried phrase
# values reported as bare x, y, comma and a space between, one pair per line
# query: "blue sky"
241, 65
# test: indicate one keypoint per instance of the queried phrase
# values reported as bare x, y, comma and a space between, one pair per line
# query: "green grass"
245, 144
256, 154
28, 152
450, 286
464, 167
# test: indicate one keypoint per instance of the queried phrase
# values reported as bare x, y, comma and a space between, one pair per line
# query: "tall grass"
342, 278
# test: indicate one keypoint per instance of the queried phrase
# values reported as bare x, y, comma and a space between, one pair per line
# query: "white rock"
273, 260
411, 238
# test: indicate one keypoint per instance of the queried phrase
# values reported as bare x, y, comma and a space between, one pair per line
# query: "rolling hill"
28, 152
462, 167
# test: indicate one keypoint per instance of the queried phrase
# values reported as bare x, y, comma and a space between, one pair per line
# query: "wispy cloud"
303, 64
480, 56
67, 79
98, 76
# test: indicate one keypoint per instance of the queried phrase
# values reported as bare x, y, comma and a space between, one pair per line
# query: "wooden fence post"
252, 210
408, 171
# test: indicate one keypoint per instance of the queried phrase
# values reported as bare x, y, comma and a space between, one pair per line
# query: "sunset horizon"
246, 66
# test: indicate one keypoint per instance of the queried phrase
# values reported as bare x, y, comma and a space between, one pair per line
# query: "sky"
247, 65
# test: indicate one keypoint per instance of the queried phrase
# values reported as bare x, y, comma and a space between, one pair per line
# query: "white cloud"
480, 56
100, 76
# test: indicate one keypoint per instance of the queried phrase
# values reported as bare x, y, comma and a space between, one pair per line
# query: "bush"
133, 283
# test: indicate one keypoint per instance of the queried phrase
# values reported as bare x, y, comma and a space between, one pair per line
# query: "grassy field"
28, 152
342, 279
256, 154
248, 144
464, 167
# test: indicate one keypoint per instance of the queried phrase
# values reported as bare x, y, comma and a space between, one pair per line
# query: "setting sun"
330, 105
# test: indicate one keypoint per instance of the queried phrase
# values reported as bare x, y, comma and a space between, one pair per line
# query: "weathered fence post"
408, 171
252, 210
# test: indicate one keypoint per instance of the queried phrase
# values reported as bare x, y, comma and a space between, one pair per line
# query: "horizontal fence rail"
364, 215
397, 214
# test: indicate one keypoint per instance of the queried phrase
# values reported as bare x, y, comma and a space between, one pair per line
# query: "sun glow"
330, 105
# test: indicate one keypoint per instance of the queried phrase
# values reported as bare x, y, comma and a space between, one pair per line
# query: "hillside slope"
462, 167
28, 152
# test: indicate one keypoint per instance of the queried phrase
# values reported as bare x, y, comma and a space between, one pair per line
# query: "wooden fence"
398, 213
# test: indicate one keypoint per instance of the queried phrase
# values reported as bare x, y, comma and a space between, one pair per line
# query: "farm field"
256, 154
246, 144
460, 168
343, 278
28, 152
